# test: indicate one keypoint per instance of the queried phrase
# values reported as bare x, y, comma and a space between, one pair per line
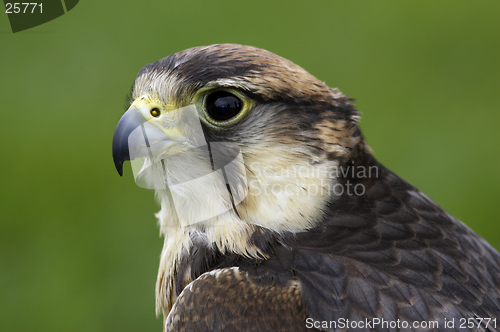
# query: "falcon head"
287, 131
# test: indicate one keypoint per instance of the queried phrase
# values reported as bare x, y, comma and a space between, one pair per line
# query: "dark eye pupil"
222, 105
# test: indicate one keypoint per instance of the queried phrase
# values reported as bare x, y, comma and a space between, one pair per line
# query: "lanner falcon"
277, 217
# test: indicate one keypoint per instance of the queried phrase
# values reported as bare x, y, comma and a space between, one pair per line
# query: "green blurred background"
79, 245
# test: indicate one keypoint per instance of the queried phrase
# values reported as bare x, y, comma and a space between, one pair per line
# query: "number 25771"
17, 7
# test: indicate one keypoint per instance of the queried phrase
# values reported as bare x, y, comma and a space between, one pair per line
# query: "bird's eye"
155, 112
223, 105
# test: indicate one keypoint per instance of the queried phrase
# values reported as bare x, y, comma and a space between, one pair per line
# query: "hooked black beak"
129, 121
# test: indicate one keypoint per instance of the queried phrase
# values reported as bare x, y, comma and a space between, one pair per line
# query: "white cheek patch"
205, 183
227, 158
203, 197
172, 155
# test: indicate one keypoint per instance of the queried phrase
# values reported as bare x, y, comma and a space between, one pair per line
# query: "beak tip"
119, 167
128, 122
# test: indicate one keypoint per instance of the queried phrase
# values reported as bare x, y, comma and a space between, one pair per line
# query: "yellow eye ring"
203, 94
155, 112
